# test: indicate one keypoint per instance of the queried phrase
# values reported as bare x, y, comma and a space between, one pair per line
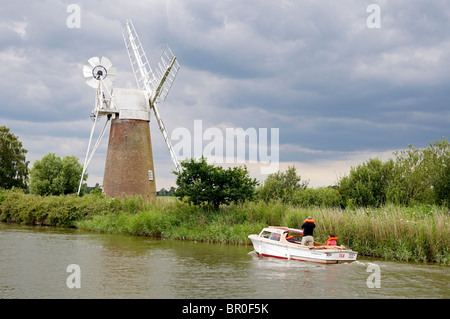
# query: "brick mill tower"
129, 161
129, 168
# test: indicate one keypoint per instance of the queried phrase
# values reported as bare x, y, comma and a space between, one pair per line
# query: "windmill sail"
166, 71
142, 71
162, 127
156, 82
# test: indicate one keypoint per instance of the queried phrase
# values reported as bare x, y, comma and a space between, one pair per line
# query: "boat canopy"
281, 230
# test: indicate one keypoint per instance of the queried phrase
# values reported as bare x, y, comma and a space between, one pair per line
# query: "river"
34, 263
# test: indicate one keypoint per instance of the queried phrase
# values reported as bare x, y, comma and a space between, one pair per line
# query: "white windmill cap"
132, 104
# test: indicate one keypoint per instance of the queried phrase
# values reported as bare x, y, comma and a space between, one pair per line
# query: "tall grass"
391, 232
60, 211
419, 233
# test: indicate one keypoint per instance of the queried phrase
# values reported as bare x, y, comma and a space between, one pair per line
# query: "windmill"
129, 162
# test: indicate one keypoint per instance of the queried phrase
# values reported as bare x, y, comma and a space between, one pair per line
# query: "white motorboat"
285, 243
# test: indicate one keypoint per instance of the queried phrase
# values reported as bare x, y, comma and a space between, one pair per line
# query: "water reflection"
33, 264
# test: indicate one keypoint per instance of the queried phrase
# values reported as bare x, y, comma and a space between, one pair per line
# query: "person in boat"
331, 241
290, 238
308, 230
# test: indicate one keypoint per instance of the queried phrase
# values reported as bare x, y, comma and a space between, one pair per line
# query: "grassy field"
418, 233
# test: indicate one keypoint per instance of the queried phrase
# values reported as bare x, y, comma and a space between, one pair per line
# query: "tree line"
51, 175
413, 176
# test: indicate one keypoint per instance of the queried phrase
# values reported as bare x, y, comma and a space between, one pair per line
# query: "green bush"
55, 176
416, 176
61, 211
281, 186
322, 196
367, 184
201, 184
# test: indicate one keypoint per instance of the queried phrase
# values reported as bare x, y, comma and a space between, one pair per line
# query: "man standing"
308, 228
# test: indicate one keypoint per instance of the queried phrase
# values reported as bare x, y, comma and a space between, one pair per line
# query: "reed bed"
419, 233
391, 232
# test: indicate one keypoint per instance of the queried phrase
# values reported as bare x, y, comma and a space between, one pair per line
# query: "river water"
34, 263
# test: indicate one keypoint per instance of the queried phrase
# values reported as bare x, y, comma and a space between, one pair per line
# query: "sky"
339, 83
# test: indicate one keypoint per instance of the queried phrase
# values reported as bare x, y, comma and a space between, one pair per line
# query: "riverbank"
419, 233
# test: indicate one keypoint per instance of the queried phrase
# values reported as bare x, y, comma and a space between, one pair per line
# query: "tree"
55, 176
162, 192
13, 165
367, 184
282, 186
422, 175
203, 184
417, 175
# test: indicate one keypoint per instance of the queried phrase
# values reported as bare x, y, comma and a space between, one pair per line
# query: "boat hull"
269, 248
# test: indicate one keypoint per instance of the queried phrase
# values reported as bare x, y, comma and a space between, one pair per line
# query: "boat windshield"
270, 235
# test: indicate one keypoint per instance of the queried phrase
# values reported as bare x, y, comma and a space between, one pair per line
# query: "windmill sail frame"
156, 82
